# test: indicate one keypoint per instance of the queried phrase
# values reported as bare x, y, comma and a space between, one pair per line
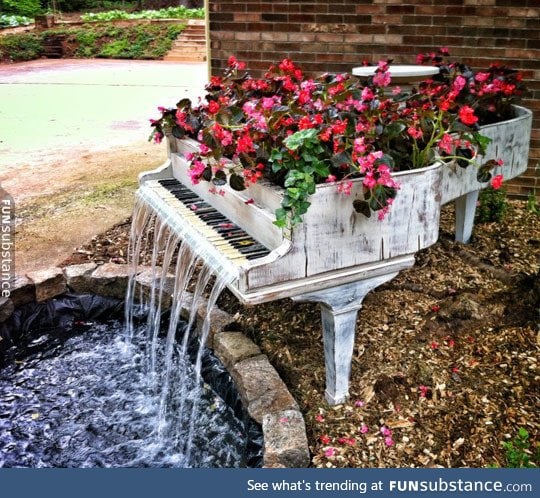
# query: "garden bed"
141, 40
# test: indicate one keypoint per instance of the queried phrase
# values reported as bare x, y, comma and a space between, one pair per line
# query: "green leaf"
481, 141
294, 193
183, 104
394, 129
296, 140
321, 169
237, 182
362, 207
281, 217
207, 174
237, 115
220, 178
341, 158
178, 132
484, 172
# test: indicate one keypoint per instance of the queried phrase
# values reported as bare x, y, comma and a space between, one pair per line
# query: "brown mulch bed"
445, 367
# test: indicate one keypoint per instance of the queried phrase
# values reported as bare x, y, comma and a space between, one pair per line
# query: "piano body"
335, 257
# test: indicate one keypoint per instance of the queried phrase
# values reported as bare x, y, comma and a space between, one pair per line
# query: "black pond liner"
65, 316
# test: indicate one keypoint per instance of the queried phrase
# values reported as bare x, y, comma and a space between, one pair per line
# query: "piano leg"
465, 209
339, 308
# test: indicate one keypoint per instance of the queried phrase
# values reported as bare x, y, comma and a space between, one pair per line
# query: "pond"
75, 393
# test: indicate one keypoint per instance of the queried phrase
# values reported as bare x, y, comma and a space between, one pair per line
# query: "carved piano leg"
465, 210
339, 308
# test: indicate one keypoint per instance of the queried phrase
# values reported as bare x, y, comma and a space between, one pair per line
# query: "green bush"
148, 41
28, 8
12, 21
168, 13
518, 452
21, 47
492, 205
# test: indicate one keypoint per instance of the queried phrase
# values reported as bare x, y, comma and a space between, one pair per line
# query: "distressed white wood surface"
510, 142
333, 235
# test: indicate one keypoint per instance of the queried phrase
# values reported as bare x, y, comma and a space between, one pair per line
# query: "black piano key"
235, 235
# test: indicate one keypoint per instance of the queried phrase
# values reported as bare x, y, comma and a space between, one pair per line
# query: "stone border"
263, 393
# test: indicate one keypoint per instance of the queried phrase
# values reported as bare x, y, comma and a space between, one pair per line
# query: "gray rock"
285, 440
219, 320
233, 347
78, 277
110, 279
22, 290
6, 308
49, 283
145, 280
260, 387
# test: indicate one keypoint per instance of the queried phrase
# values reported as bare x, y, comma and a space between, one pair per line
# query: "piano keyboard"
200, 224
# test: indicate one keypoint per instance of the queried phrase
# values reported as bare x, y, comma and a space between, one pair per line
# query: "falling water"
172, 258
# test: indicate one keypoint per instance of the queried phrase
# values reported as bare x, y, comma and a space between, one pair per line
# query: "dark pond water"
89, 401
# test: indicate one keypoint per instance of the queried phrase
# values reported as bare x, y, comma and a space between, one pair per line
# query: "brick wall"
336, 35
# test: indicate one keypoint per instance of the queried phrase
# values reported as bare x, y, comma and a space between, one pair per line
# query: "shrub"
22, 47
134, 42
27, 8
492, 206
168, 13
12, 21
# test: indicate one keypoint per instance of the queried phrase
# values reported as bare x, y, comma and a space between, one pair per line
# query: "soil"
445, 368
71, 197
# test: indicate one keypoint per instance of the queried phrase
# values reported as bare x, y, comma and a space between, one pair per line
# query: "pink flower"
382, 79
466, 115
268, 103
324, 439
367, 94
446, 143
385, 431
158, 137
364, 429
213, 107
389, 441
496, 182
345, 188
330, 179
330, 452
204, 149
359, 404
414, 132
195, 171
396, 90
459, 83
423, 390
233, 62
319, 418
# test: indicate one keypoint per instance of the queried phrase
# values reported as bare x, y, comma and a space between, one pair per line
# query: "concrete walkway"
73, 138
51, 106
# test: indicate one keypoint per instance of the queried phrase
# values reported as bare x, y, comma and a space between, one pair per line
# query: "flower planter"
509, 143
333, 236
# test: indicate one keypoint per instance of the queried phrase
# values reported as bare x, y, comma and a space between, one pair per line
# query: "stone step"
190, 46
185, 58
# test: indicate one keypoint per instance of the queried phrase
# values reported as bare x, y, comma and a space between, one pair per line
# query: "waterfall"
181, 277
